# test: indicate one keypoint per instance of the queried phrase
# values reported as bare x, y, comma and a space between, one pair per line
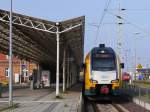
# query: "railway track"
106, 108
102, 106
109, 108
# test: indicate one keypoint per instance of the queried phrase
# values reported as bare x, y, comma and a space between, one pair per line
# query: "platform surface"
43, 100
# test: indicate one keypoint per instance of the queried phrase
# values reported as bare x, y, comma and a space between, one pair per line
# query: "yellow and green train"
102, 72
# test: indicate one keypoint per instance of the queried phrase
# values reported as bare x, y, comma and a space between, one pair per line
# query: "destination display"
103, 55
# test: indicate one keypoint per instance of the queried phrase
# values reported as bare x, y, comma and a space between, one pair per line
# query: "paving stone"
44, 101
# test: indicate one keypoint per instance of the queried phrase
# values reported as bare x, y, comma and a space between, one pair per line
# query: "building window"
6, 72
25, 72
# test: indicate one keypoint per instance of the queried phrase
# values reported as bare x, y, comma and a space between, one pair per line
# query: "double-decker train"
102, 72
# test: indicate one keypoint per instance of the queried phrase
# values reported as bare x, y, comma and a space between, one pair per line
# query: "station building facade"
21, 69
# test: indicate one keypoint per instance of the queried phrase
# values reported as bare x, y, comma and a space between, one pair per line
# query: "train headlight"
115, 81
93, 81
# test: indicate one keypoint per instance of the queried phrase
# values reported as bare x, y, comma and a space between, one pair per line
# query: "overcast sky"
136, 18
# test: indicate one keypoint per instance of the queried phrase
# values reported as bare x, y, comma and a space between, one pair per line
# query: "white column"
64, 68
57, 69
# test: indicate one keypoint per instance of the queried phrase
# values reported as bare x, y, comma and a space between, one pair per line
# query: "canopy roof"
35, 39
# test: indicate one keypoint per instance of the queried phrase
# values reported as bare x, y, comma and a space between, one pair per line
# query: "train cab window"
103, 64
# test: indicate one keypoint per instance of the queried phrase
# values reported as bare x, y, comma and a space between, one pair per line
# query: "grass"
145, 84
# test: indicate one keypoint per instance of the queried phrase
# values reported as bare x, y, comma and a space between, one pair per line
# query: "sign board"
46, 78
139, 66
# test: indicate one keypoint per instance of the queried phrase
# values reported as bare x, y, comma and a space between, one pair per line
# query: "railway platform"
42, 100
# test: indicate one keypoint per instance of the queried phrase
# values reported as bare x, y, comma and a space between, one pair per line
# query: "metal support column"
71, 74
38, 75
24, 72
20, 71
57, 69
57, 39
68, 71
10, 60
64, 70
74, 74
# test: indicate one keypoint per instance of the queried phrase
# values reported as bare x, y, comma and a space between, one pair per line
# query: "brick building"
21, 69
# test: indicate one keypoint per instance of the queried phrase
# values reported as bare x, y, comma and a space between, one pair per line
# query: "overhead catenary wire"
125, 9
101, 20
130, 23
136, 10
96, 24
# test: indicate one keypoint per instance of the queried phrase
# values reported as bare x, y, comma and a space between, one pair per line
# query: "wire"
132, 24
101, 20
96, 24
137, 9
124, 9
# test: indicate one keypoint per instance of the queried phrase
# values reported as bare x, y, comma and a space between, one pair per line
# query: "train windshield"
103, 63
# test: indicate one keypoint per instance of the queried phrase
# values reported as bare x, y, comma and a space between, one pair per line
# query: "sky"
135, 31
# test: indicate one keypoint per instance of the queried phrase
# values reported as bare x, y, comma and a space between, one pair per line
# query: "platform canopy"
35, 39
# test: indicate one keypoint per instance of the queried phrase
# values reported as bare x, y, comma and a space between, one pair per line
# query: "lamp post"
126, 58
10, 59
135, 51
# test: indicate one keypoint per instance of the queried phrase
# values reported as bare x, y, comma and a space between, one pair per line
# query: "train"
102, 72
126, 76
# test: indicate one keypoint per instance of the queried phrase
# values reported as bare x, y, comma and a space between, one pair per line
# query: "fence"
140, 94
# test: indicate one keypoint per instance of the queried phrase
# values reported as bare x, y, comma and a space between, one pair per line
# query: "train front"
102, 73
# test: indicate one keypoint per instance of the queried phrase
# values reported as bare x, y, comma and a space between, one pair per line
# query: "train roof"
103, 49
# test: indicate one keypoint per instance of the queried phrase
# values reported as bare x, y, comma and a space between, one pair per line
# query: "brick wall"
16, 68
